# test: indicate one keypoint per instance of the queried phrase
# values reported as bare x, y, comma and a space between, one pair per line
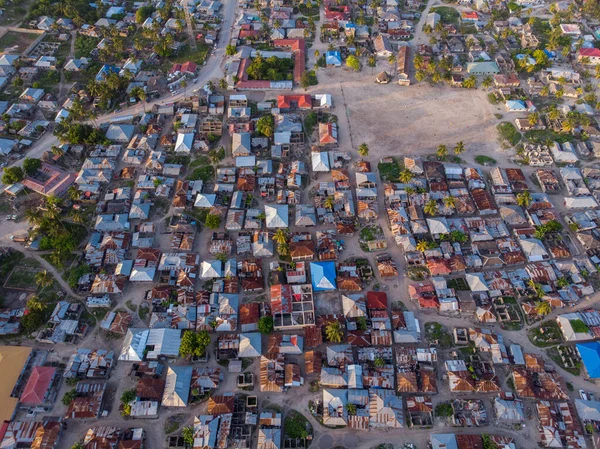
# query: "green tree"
487, 82
361, 323
265, 324
353, 63
524, 199
449, 201
128, 396
12, 175
543, 308
212, 221
31, 165
444, 410
431, 207
216, 156
422, 246
265, 125
405, 176
363, 150
470, 82
188, 435
69, 397
194, 344
329, 202
334, 332
230, 50
533, 118
442, 151
280, 237
459, 148
44, 279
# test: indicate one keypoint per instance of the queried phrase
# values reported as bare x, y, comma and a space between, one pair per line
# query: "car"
14, 217
583, 395
9, 217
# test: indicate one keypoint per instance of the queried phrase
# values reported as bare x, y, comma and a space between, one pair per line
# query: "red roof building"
593, 54
376, 300
294, 101
38, 386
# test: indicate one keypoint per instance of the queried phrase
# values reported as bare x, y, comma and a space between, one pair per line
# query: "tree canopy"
194, 344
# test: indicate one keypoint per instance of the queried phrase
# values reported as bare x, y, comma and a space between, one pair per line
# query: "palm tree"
430, 207
406, 176
363, 150
459, 148
35, 305
223, 85
329, 202
317, 54
553, 113
72, 193
280, 237
222, 257
537, 288
545, 91
77, 217
533, 118
34, 216
334, 332
56, 151
422, 246
449, 201
487, 82
216, 156
543, 308
44, 279
524, 199
442, 151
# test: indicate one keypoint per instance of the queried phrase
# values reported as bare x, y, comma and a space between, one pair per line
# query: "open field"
410, 120
16, 42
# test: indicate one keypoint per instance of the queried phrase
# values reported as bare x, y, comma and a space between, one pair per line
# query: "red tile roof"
300, 101
377, 300
37, 385
589, 53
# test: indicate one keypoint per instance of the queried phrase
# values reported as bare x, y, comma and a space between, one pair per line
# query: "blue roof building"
323, 276
105, 71
590, 356
333, 58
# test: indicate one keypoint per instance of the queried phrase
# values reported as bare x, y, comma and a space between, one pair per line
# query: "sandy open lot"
396, 120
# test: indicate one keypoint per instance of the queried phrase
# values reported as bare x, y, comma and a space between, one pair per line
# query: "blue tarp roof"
105, 70
590, 355
323, 276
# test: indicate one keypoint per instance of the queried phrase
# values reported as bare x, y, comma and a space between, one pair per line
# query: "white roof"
580, 202
476, 282
211, 269
276, 216
438, 225
250, 345
177, 386
205, 200
320, 161
184, 143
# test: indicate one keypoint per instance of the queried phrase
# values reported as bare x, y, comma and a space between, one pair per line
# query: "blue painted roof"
105, 70
323, 276
333, 57
590, 355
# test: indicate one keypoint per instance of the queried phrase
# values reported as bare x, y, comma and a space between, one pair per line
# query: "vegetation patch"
541, 136
579, 326
509, 133
435, 333
271, 69
389, 170
447, 14
22, 278
16, 42
546, 334
485, 160
298, 431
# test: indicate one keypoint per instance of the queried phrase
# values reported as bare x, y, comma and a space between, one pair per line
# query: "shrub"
212, 221
265, 324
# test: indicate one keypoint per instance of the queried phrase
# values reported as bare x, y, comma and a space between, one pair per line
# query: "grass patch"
297, 427
447, 14
550, 336
509, 133
130, 305
22, 278
542, 136
8, 261
201, 161
436, 332
143, 312
459, 284
367, 234
485, 160
188, 54
554, 354
205, 173
84, 45
310, 121
389, 171
16, 42
579, 326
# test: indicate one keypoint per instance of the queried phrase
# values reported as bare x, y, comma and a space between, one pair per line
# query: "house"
241, 144
177, 386
150, 344
50, 180
328, 134
277, 216
38, 389
590, 356
383, 48
323, 276
120, 133
333, 58
184, 143
31, 95
483, 68
589, 55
